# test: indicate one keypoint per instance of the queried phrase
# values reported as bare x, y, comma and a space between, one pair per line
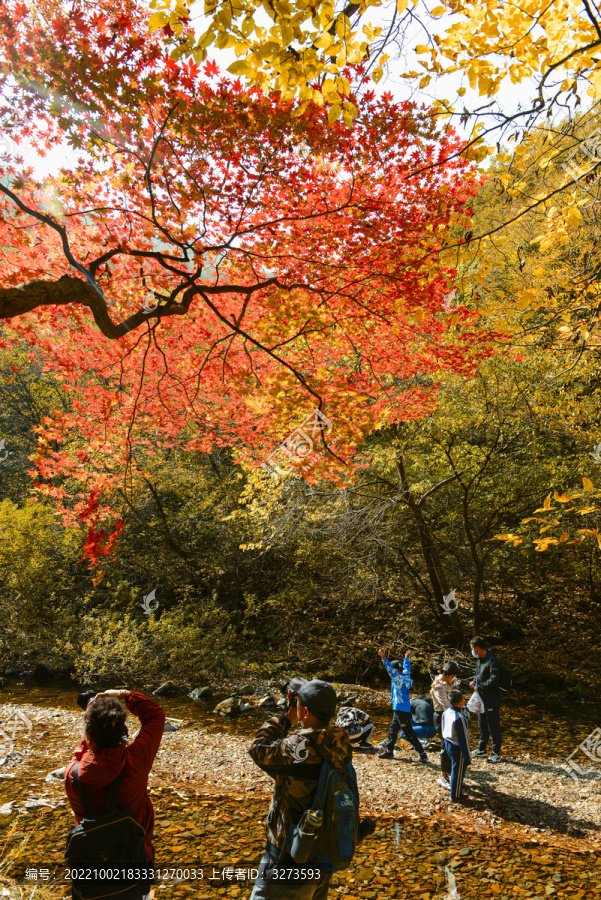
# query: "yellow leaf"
248, 26
299, 110
561, 498
587, 484
238, 68
401, 6
543, 543
334, 113
157, 20
206, 39
550, 525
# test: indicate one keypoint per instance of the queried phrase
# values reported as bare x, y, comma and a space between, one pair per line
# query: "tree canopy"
247, 259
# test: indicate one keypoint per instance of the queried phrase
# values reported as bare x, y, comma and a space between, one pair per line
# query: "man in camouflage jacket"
294, 762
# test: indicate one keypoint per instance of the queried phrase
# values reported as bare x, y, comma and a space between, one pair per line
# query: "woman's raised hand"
117, 694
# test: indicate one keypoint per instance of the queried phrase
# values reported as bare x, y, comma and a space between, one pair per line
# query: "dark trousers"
402, 720
489, 723
437, 720
458, 767
445, 761
276, 879
359, 740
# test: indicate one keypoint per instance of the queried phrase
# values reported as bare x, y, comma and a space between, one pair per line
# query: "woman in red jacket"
102, 755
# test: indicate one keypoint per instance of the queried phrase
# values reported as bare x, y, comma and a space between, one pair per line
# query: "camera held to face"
294, 685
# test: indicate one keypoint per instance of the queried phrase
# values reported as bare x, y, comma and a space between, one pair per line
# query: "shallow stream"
538, 727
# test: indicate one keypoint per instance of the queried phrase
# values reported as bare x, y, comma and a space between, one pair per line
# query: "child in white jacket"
457, 744
445, 681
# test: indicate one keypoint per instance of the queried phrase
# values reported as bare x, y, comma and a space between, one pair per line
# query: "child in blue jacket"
401, 706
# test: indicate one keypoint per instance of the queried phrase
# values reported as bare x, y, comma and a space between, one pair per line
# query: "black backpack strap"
112, 792
87, 809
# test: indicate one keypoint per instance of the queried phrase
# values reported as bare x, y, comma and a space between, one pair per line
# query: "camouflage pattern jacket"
294, 761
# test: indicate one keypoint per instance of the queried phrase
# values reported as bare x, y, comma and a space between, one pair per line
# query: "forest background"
449, 484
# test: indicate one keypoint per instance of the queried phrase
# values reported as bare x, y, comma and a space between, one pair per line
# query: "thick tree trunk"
476, 607
440, 588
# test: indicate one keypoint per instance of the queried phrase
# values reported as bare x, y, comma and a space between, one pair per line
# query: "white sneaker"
442, 781
495, 758
479, 753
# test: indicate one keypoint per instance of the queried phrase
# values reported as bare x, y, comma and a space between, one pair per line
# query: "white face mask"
475, 655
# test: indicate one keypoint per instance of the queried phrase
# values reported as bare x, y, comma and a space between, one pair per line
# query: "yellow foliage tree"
306, 43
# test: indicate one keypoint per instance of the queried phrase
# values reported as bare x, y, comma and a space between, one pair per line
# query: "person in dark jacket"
102, 755
294, 762
422, 719
487, 682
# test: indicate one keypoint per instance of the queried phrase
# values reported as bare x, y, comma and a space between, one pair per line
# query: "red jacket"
97, 769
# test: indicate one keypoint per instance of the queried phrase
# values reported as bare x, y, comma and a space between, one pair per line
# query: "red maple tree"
217, 263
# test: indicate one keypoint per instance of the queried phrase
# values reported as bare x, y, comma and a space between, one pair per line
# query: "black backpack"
106, 853
506, 680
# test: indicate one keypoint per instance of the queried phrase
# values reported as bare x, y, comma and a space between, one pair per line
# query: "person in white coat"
457, 744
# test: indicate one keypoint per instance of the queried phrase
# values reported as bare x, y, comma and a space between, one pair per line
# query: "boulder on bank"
167, 689
170, 727
267, 702
43, 673
201, 693
229, 707
12, 671
56, 774
232, 707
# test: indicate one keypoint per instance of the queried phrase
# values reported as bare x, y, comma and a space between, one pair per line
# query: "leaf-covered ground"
530, 831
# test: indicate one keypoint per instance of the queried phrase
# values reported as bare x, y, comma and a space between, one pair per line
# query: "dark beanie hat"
397, 665
320, 699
